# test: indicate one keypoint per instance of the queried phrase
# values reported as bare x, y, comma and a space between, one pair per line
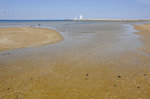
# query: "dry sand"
145, 33
125, 76
20, 37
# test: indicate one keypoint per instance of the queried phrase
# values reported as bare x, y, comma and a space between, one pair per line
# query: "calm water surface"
92, 39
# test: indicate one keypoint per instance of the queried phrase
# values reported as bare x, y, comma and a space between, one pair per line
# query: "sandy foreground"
21, 37
125, 76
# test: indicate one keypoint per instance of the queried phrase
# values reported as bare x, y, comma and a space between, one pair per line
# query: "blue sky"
64, 9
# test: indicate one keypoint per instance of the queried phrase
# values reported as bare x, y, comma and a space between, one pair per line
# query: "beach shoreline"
22, 37
144, 31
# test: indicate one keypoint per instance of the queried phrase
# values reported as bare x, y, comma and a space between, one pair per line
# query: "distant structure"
81, 17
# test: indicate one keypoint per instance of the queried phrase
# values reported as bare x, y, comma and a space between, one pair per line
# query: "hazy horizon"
67, 9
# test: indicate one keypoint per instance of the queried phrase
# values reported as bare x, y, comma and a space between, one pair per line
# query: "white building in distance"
81, 17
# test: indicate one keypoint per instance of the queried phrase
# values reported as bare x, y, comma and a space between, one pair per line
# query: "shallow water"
102, 38
90, 41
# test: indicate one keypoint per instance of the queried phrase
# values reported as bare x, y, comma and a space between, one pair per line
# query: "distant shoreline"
108, 19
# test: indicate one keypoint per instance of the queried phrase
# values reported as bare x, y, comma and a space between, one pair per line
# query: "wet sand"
77, 74
21, 37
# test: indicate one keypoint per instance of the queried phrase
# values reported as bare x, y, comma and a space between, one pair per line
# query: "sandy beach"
145, 33
83, 71
21, 37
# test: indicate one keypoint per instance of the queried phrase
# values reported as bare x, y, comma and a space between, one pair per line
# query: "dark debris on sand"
119, 76
4, 54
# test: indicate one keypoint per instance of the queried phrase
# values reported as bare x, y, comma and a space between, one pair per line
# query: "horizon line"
74, 19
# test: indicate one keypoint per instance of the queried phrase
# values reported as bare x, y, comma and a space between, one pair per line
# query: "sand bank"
145, 36
21, 37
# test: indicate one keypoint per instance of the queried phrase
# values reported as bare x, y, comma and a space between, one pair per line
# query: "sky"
68, 9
